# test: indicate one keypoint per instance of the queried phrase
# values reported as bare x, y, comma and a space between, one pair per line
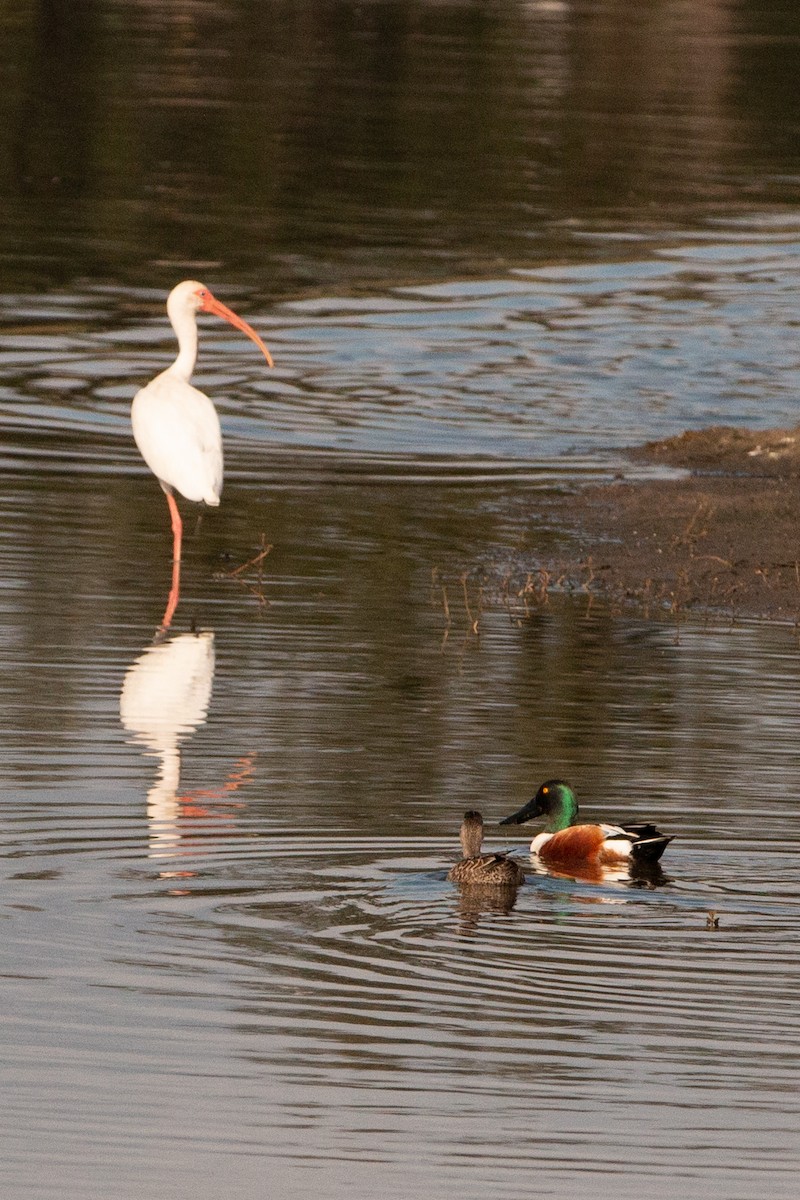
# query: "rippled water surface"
230, 947
490, 248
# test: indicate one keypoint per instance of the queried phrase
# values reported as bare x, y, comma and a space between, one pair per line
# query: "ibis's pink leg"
174, 594
175, 589
177, 527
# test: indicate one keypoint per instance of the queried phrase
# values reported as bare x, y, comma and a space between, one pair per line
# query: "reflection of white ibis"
165, 697
176, 427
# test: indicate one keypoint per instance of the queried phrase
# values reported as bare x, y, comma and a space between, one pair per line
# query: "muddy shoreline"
723, 538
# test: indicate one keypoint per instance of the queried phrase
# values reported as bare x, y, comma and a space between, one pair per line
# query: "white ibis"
176, 427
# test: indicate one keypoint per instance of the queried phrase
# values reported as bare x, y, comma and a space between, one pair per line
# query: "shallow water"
487, 258
230, 948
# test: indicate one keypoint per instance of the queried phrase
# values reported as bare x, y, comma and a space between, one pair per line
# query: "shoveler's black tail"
648, 843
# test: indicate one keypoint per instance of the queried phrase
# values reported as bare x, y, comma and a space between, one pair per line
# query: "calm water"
490, 247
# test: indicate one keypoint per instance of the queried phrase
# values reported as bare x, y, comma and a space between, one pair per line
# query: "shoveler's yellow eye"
545, 791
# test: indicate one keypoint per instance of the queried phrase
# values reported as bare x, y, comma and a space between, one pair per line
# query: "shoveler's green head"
555, 800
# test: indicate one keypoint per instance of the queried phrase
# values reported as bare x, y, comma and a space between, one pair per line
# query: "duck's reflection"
635, 875
475, 902
165, 697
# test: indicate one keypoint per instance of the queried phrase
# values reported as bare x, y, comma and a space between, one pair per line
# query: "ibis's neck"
187, 352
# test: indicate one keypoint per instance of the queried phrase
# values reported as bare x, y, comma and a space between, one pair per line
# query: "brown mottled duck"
492, 870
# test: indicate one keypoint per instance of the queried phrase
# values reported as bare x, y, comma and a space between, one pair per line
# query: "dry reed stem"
472, 621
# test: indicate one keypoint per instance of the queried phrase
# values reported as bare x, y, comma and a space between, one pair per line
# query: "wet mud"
722, 538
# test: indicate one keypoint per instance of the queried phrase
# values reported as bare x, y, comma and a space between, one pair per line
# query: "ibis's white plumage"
177, 430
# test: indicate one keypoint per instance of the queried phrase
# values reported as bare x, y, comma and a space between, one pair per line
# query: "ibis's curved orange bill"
212, 305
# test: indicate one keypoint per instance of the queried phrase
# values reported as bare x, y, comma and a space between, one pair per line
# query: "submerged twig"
237, 574
252, 562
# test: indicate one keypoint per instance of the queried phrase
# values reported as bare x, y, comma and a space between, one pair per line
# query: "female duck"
476, 868
564, 842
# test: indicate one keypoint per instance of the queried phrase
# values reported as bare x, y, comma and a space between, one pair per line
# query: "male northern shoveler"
564, 842
476, 868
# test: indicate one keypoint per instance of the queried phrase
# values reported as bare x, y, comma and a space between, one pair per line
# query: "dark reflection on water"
340, 144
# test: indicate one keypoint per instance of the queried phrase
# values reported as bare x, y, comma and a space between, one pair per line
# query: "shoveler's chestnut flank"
564, 842
496, 870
